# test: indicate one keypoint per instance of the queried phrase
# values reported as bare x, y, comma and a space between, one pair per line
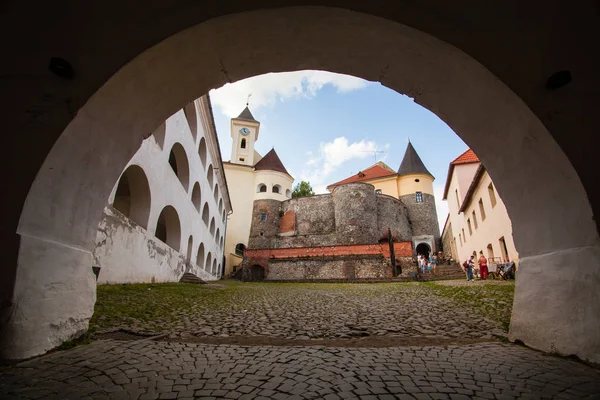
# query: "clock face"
245, 131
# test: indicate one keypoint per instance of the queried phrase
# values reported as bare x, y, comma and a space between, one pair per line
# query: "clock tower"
244, 132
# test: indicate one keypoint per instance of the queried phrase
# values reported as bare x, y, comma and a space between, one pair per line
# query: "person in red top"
483, 267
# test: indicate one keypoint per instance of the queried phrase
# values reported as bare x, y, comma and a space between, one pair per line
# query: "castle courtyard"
442, 340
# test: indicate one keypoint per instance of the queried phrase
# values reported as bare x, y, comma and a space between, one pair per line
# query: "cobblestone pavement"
162, 370
331, 311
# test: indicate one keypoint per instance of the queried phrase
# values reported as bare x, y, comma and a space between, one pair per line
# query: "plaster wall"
497, 224
388, 186
165, 190
127, 253
407, 184
66, 178
461, 180
272, 178
240, 180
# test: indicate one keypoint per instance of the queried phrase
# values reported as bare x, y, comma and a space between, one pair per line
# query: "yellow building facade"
250, 177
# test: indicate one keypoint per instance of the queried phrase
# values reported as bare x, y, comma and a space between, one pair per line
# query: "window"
490, 251
469, 226
239, 249
288, 194
262, 188
243, 144
492, 195
481, 209
419, 197
416, 180
276, 189
503, 248
377, 191
460, 238
262, 217
474, 219
242, 159
457, 199
464, 237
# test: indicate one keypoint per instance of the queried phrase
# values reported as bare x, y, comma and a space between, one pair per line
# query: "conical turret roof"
246, 114
270, 162
412, 163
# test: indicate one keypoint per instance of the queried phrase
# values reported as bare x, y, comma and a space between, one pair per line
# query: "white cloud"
333, 154
268, 89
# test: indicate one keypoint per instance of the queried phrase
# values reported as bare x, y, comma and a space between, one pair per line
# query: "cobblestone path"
324, 311
161, 370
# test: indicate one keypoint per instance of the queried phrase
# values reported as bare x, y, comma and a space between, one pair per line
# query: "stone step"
191, 278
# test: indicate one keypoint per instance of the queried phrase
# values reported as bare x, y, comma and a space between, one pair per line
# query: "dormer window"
361, 175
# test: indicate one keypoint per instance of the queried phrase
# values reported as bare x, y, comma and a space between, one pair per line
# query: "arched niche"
133, 198
197, 196
168, 228
178, 161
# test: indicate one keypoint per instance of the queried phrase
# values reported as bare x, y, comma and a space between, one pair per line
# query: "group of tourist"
481, 269
427, 262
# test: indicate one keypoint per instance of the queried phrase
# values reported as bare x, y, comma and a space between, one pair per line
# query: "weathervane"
248, 99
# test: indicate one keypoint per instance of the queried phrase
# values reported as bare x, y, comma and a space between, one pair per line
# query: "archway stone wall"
533, 175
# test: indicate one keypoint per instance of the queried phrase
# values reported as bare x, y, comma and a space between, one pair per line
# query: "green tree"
302, 189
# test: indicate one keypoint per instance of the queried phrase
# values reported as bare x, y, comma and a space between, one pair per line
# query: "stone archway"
424, 249
101, 138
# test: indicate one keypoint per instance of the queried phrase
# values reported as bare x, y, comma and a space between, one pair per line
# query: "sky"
326, 127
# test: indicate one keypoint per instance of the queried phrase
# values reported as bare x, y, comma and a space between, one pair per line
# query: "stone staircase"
191, 278
445, 272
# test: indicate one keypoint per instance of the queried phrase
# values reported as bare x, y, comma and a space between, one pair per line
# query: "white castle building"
250, 177
167, 214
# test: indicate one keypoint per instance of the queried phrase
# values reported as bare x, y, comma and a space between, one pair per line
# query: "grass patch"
118, 305
493, 301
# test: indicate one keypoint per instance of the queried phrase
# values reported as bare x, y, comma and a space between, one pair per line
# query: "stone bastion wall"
332, 236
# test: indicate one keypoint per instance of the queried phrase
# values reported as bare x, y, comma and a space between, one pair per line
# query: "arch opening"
197, 196
212, 227
210, 175
423, 249
192, 119
205, 214
180, 164
276, 189
262, 188
168, 228
133, 198
190, 243
424, 67
200, 256
202, 152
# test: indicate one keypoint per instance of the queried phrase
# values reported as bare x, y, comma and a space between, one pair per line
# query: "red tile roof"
468, 157
373, 172
465, 158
